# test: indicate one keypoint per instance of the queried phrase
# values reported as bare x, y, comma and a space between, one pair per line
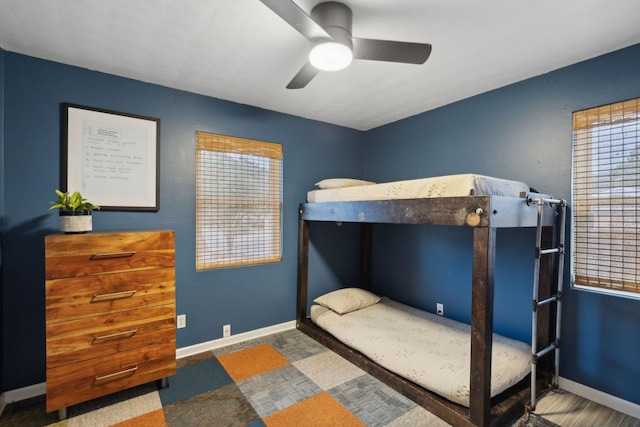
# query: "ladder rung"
546, 201
560, 202
548, 300
546, 350
540, 252
550, 251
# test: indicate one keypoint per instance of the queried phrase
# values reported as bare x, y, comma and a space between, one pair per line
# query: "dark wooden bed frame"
485, 214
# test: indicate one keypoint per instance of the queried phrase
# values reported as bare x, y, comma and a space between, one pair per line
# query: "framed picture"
112, 158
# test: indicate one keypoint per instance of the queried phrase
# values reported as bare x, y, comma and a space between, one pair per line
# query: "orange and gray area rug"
281, 380
284, 379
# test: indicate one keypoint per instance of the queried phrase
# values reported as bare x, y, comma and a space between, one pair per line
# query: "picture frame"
112, 158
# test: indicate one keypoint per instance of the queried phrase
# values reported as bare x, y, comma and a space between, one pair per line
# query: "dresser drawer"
74, 298
88, 338
78, 382
71, 255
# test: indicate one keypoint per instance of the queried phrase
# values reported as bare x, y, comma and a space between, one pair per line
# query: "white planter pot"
75, 222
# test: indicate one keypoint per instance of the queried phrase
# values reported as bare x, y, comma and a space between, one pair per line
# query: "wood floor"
568, 410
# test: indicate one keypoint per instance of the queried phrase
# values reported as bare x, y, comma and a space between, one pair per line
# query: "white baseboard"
605, 399
22, 394
233, 339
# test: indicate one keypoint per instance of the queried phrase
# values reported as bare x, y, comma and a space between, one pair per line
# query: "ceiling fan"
328, 27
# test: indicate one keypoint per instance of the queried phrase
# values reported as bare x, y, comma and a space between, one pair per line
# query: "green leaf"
72, 202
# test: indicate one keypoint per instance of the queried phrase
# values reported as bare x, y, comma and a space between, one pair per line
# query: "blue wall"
247, 298
1, 213
521, 132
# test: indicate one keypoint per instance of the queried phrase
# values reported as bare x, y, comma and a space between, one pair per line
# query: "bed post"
303, 268
484, 249
365, 272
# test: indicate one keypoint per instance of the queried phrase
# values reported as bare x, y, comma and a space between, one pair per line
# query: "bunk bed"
482, 203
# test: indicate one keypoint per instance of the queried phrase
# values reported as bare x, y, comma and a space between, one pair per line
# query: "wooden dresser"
110, 313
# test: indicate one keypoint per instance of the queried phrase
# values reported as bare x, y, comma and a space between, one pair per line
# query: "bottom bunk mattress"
429, 350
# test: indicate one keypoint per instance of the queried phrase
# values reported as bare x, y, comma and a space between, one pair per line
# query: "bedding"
347, 300
427, 349
441, 186
341, 182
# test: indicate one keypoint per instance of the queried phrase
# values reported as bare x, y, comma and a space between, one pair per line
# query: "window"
238, 201
606, 191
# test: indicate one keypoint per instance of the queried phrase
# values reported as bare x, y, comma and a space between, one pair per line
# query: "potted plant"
75, 212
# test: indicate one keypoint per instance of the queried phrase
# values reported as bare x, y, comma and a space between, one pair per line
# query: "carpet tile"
418, 416
150, 419
371, 401
328, 369
28, 412
319, 410
295, 345
209, 408
252, 361
278, 389
192, 380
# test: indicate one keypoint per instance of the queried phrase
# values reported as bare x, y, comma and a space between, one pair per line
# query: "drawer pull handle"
115, 295
115, 374
116, 335
107, 255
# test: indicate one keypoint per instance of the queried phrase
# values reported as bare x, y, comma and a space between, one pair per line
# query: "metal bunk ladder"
557, 297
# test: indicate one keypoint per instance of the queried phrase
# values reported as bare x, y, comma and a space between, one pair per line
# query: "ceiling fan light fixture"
330, 56
328, 28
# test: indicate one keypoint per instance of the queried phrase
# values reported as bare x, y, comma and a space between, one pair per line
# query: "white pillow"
347, 300
317, 311
341, 182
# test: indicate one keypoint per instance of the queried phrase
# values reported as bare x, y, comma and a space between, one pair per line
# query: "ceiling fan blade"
391, 51
304, 76
297, 18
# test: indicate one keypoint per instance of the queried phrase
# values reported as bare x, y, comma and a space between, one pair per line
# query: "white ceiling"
239, 50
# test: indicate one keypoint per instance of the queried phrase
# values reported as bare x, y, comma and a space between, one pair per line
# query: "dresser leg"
62, 413
162, 383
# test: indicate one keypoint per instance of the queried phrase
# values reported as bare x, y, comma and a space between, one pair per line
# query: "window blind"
238, 201
606, 191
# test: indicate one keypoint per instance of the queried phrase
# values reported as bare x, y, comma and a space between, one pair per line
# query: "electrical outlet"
226, 331
440, 309
182, 321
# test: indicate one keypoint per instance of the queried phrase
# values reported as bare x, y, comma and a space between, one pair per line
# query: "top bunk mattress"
441, 186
